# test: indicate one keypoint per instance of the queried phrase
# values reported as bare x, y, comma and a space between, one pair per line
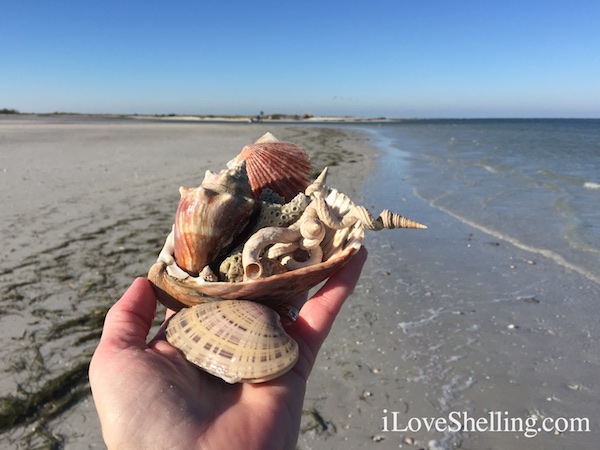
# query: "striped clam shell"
236, 340
283, 167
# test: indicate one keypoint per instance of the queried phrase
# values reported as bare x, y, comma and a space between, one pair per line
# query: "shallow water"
493, 308
533, 183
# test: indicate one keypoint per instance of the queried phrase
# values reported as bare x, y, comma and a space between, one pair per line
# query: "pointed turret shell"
236, 340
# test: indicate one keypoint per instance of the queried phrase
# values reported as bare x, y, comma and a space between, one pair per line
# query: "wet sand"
445, 319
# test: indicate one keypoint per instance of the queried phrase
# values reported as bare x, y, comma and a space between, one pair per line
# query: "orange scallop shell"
280, 166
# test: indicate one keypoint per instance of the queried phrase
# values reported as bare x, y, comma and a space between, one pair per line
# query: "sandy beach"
86, 205
445, 319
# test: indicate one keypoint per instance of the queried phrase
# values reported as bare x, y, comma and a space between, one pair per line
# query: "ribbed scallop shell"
236, 340
280, 166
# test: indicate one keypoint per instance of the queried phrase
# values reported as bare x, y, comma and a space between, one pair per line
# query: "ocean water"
532, 183
494, 307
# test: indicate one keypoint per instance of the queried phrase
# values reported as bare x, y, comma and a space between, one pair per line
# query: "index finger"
318, 314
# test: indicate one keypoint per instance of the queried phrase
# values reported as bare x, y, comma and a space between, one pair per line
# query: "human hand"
148, 396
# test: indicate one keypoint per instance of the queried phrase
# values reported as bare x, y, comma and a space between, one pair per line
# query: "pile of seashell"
246, 241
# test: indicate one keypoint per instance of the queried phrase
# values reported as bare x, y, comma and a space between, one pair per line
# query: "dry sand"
442, 320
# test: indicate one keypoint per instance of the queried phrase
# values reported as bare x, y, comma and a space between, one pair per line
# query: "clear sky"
396, 58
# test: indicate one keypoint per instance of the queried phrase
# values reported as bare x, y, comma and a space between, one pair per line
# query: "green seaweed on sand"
314, 421
52, 399
93, 321
324, 147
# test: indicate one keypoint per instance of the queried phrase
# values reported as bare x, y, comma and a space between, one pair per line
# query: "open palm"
148, 396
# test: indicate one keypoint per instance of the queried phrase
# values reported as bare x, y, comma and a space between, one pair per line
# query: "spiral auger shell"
386, 219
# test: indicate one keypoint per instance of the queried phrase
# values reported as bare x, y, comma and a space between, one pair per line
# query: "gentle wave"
550, 254
591, 185
512, 178
489, 168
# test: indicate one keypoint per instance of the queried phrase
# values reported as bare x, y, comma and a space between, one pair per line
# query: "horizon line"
305, 117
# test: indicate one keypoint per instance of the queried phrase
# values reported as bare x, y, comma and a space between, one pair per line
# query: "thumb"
129, 320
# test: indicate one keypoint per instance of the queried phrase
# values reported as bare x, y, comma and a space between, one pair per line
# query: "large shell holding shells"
232, 329
177, 289
282, 167
236, 340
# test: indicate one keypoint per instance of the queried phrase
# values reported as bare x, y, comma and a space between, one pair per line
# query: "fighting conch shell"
200, 229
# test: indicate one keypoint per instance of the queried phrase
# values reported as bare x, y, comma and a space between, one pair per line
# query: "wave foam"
552, 255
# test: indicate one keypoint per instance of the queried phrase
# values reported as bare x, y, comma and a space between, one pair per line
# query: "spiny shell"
281, 166
236, 340
210, 216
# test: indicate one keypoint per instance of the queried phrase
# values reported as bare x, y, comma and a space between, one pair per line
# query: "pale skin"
149, 397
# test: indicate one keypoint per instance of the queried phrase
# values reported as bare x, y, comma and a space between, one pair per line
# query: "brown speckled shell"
238, 341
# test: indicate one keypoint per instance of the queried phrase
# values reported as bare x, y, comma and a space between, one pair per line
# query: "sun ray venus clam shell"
236, 340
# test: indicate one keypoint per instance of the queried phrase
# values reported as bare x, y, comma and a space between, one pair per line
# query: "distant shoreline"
267, 118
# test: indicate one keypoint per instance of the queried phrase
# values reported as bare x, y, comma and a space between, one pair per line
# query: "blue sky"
418, 58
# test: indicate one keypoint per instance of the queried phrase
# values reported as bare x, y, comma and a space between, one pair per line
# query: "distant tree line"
8, 111
262, 116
